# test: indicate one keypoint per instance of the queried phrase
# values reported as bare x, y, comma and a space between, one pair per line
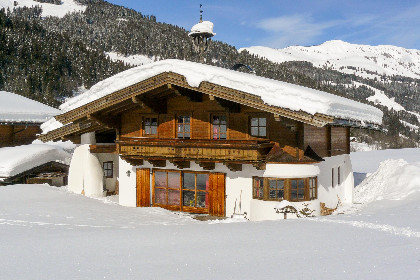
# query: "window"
108, 169
276, 189
296, 189
150, 126
259, 127
173, 188
338, 176
195, 190
184, 127
219, 127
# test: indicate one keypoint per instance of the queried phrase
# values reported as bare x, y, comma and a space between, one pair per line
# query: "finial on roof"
201, 13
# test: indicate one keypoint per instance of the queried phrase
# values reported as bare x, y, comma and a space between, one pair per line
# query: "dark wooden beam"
206, 165
133, 160
233, 166
180, 164
157, 162
259, 165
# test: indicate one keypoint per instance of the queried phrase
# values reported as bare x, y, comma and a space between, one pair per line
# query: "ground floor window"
181, 190
108, 167
277, 189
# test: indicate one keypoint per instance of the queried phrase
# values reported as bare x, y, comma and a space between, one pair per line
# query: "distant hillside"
49, 58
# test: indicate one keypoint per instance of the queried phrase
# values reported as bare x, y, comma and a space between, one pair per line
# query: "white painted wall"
88, 138
109, 183
326, 192
85, 173
239, 185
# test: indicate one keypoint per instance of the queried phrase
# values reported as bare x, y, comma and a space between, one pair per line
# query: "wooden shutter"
143, 187
217, 194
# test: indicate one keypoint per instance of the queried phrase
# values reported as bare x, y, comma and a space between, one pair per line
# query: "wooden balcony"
194, 149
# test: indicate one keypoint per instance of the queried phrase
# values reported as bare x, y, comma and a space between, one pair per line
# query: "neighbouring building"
197, 138
20, 119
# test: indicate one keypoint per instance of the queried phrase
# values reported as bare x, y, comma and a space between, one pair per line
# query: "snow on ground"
16, 108
67, 6
369, 161
15, 160
134, 60
272, 92
50, 233
361, 60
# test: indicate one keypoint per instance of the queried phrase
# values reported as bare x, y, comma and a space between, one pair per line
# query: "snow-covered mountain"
48, 9
362, 60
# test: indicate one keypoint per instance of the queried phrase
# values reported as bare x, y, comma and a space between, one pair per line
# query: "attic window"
277, 189
219, 127
184, 127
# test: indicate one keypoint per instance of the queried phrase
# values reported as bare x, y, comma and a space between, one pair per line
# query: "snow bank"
50, 125
16, 108
202, 27
66, 6
272, 92
394, 180
15, 160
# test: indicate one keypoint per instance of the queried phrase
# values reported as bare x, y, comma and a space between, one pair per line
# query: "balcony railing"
194, 149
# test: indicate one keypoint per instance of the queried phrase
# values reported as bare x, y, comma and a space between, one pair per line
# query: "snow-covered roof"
272, 92
202, 27
15, 160
16, 108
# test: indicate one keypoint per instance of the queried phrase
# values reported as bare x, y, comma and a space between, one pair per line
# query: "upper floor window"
108, 169
150, 126
184, 127
219, 127
259, 127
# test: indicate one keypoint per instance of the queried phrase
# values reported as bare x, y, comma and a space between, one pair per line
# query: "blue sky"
282, 23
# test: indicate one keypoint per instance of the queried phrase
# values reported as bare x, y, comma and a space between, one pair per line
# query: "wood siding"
14, 135
143, 187
217, 194
340, 140
317, 138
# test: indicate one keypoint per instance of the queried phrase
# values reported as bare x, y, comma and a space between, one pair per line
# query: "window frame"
106, 163
258, 126
310, 189
143, 126
189, 115
213, 125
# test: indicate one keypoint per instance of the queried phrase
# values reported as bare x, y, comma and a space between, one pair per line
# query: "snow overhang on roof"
15, 108
272, 92
204, 27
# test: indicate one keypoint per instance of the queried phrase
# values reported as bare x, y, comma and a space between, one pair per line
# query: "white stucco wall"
85, 173
109, 183
239, 185
326, 192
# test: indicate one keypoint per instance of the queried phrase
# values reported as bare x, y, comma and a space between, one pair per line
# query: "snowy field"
49, 233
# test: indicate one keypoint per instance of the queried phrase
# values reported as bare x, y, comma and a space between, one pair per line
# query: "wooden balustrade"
194, 149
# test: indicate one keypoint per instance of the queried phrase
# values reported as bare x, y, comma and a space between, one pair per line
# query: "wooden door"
143, 187
217, 194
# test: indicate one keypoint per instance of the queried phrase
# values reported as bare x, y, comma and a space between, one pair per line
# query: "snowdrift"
394, 180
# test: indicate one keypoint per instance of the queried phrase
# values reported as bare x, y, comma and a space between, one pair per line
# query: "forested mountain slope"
50, 58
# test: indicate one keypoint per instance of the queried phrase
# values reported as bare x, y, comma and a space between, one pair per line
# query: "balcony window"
184, 127
259, 127
150, 126
219, 127
277, 189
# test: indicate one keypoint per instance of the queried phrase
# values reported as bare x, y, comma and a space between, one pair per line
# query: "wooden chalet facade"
207, 149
